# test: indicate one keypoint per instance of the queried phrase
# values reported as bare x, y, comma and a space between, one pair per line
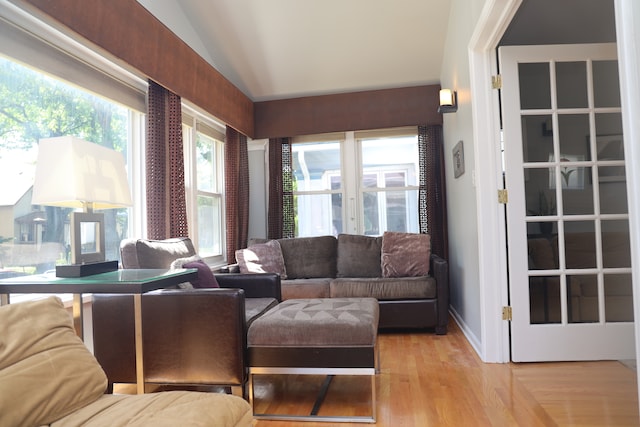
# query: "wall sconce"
78, 174
448, 101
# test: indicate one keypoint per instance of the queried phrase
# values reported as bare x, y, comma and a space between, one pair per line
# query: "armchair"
191, 337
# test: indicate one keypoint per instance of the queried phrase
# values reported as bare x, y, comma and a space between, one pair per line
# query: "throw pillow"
46, 372
262, 258
405, 254
205, 278
359, 256
160, 253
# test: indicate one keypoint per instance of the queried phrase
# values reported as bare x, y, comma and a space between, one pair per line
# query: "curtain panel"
236, 169
432, 201
281, 222
166, 201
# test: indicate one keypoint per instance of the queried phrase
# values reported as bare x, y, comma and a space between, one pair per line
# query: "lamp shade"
75, 173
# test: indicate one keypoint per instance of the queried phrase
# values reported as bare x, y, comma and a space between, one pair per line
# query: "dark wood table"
127, 281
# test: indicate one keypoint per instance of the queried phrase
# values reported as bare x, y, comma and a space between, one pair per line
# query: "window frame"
198, 121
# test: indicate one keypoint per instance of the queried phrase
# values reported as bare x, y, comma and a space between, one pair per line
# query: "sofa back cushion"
359, 256
310, 257
262, 258
405, 254
46, 372
144, 253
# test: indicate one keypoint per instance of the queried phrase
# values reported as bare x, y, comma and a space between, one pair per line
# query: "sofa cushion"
46, 372
388, 289
161, 253
359, 256
405, 254
262, 258
305, 288
166, 409
205, 278
310, 257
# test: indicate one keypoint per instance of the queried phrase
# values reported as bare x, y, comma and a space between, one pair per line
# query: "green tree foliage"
34, 106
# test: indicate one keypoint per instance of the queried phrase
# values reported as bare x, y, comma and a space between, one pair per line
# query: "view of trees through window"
34, 106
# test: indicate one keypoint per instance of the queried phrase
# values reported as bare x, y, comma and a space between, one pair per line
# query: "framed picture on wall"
458, 160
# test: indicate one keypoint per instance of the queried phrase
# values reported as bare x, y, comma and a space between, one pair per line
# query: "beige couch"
398, 269
48, 377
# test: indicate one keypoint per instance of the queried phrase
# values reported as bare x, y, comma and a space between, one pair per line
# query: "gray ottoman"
328, 336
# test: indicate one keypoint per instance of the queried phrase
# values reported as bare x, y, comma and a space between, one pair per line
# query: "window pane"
318, 215
209, 226
314, 164
390, 211
36, 238
205, 157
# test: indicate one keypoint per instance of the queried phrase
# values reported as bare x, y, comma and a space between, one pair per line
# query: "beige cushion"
262, 258
405, 254
359, 256
165, 409
46, 372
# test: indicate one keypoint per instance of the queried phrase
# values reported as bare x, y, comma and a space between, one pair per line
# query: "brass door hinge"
496, 82
503, 197
507, 313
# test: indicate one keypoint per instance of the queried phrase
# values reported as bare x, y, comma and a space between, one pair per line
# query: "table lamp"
75, 173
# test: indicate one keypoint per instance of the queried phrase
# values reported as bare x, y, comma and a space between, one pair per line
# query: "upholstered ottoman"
328, 336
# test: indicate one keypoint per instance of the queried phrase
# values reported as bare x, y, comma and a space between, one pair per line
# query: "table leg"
78, 317
137, 316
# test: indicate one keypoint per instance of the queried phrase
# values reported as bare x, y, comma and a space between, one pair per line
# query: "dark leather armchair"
191, 337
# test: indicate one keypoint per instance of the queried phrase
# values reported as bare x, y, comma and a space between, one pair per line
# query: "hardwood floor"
429, 380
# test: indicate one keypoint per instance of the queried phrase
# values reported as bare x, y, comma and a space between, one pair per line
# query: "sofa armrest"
440, 271
190, 336
255, 285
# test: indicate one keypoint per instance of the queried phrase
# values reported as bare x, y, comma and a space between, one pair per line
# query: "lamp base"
88, 269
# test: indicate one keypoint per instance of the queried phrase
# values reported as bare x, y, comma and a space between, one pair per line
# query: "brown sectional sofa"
352, 266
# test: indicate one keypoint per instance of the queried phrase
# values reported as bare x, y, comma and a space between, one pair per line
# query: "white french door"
567, 216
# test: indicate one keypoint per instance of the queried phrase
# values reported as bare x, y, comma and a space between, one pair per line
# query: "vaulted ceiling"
279, 49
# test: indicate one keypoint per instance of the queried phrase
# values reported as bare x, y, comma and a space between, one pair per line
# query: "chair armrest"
190, 336
257, 285
440, 271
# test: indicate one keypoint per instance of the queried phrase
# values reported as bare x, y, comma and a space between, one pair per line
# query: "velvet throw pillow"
262, 258
405, 254
205, 278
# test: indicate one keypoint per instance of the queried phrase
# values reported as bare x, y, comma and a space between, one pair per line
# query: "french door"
567, 217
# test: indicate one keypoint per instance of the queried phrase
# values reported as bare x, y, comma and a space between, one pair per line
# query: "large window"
204, 155
358, 183
44, 93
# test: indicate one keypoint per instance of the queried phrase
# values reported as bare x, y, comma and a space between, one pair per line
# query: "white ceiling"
276, 49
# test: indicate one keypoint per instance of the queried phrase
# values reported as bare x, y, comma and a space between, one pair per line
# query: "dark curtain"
236, 169
431, 193
281, 222
166, 202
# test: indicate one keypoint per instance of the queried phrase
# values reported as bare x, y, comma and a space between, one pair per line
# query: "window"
358, 183
204, 155
36, 104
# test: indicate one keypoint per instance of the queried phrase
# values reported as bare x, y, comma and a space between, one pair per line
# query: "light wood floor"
429, 380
